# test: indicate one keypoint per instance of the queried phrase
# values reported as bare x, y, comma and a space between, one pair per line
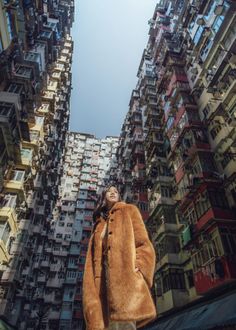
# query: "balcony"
36, 265
39, 209
158, 200
55, 283
89, 205
45, 263
8, 276
70, 280
43, 109
41, 278
169, 258
172, 299
36, 228
74, 250
48, 96
8, 215
23, 73
54, 315
229, 169
9, 107
66, 315
4, 306
212, 215
73, 265
49, 298
62, 253
68, 208
55, 267
24, 224
223, 273
17, 248
166, 228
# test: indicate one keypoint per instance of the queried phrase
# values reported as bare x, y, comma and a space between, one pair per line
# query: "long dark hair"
101, 205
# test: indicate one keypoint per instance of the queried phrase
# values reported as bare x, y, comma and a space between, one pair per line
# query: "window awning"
219, 312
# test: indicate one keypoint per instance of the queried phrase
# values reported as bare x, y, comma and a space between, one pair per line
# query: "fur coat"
127, 291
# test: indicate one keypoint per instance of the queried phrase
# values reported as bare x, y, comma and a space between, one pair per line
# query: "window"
208, 252
166, 192
71, 274
34, 135
58, 235
82, 260
9, 201
39, 120
73, 261
227, 158
4, 231
190, 216
198, 34
17, 175
24, 71
80, 276
218, 199
143, 206
217, 23
228, 237
14, 88
202, 204
173, 279
9, 25
26, 153
214, 131
189, 275
1, 45
206, 111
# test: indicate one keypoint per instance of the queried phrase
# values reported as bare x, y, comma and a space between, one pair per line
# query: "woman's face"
112, 196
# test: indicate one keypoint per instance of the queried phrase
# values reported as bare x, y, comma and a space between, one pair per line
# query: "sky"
109, 38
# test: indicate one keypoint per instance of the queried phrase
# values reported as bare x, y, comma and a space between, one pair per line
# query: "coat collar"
117, 206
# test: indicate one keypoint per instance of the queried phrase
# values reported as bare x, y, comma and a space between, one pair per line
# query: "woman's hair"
101, 205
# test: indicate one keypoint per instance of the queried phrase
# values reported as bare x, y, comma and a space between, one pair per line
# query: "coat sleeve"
91, 303
145, 253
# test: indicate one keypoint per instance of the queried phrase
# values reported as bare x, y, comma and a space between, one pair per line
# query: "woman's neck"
109, 206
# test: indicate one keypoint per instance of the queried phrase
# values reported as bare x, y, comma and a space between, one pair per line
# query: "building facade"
89, 165
186, 96
35, 86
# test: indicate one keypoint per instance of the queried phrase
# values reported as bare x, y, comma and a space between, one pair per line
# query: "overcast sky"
109, 38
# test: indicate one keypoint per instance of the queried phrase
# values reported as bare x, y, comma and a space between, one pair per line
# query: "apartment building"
35, 85
88, 165
186, 93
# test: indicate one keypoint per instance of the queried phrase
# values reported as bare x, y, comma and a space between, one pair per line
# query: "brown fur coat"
128, 292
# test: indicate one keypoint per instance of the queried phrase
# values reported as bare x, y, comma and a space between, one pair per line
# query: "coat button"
111, 220
110, 232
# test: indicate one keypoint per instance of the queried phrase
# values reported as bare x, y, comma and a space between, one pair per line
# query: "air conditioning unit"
232, 59
201, 21
194, 71
219, 10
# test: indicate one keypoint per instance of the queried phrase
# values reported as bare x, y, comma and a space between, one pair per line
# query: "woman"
119, 268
